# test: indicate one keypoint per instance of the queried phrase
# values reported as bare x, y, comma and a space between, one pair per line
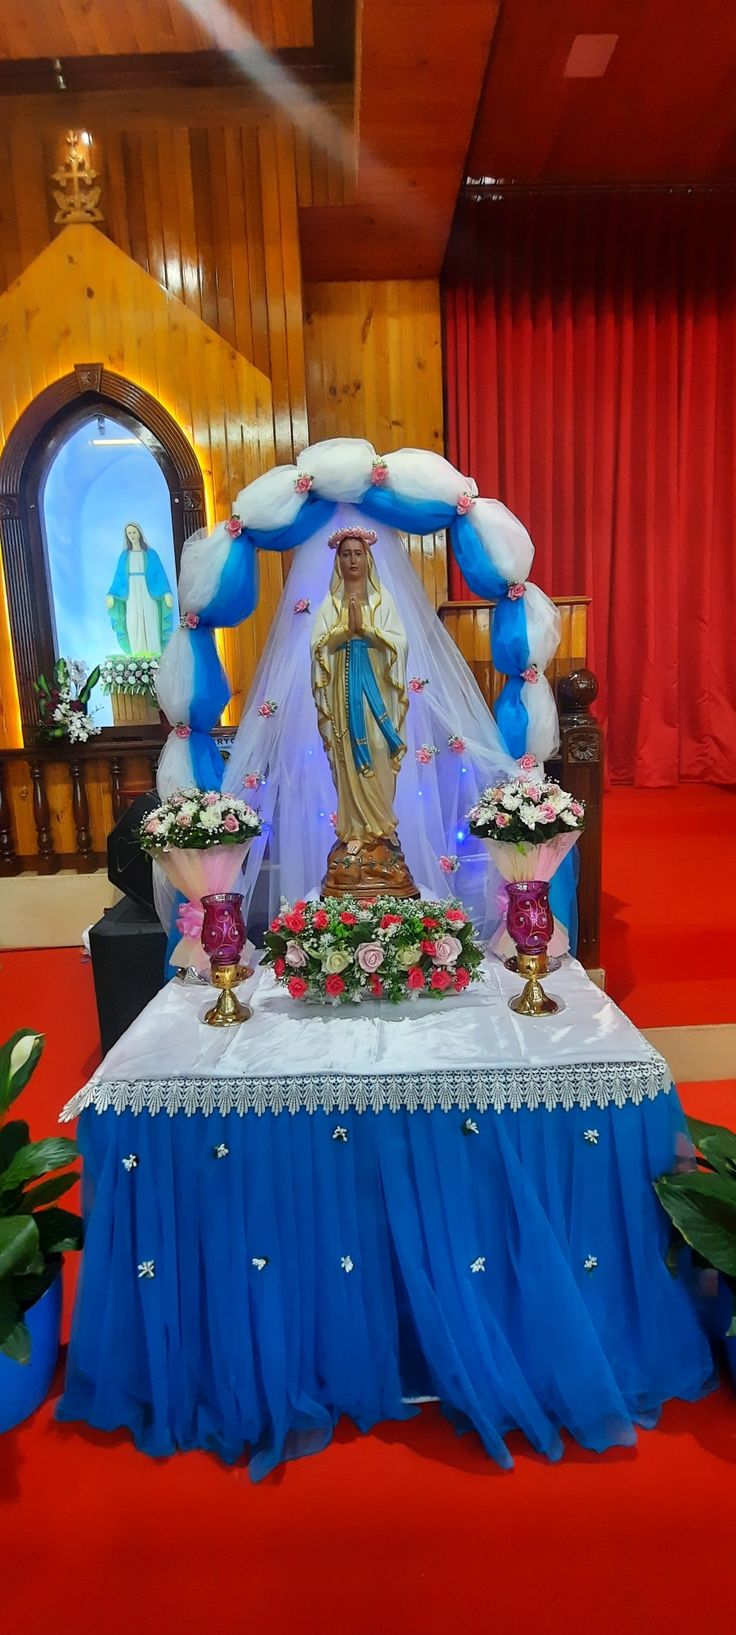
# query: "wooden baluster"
85, 860
153, 767
116, 767
582, 755
47, 862
10, 863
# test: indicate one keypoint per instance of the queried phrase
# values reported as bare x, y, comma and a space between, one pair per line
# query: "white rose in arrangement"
406, 957
447, 951
336, 961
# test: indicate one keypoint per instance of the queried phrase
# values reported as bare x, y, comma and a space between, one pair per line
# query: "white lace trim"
577, 1084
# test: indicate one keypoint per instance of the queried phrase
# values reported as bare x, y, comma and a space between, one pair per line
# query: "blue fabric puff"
237, 593
509, 639
512, 717
473, 560
409, 515
516, 1272
315, 513
211, 689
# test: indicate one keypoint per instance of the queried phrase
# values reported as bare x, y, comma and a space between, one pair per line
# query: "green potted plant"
34, 1233
701, 1203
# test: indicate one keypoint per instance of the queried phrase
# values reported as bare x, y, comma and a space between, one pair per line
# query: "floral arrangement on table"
526, 811
341, 949
134, 674
200, 839
62, 703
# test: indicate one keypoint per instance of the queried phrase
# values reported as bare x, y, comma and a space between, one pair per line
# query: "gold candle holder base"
533, 1001
228, 1011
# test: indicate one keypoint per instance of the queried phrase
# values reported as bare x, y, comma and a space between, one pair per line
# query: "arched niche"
91, 390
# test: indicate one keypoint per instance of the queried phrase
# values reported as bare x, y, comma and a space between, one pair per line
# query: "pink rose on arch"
417, 685
448, 865
457, 745
547, 813
527, 763
234, 526
531, 674
190, 621
302, 606
333, 819
303, 483
370, 956
251, 780
465, 504
447, 951
514, 592
267, 708
423, 756
295, 956
183, 820
182, 730
379, 473
231, 824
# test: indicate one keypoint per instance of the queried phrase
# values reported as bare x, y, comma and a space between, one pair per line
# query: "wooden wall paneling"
75, 28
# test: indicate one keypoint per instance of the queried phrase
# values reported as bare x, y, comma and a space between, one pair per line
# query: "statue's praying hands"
355, 617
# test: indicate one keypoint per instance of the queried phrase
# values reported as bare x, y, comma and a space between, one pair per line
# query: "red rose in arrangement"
295, 922
279, 966
440, 979
320, 920
297, 987
431, 925
334, 986
276, 924
300, 906
428, 947
462, 978
456, 915
376, 986
415, 979
348, 919
389, 919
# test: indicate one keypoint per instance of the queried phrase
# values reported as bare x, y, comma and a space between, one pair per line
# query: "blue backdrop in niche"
93, 487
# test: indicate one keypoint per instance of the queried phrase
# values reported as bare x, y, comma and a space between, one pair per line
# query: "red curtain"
590, 355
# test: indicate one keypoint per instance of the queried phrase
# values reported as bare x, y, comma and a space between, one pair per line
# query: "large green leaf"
17, 1343
89, 684
10, 1310
46, 1192
58, 1229
37, 1159
716, 1143
13, 1135
18, 1058
18, 1244
703, 1208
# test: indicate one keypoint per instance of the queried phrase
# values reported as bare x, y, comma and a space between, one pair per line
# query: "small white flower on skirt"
131, 1162
221, 1151
591, 1136
260, 1262
339, 1133
470, 1127
146, 1269
346, 1263
478, 1265
590, 1263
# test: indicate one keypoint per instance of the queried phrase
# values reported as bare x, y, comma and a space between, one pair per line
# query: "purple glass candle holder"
529, 919
223, 927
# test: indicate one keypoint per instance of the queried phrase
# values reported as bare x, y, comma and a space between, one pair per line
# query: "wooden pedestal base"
370, 868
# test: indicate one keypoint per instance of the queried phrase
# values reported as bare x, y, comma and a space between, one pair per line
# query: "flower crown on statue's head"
366, 536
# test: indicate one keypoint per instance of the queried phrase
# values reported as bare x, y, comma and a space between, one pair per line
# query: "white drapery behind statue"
282, 748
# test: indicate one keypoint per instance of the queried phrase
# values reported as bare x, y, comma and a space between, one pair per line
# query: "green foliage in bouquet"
701, 1202
342, 950
33, 1232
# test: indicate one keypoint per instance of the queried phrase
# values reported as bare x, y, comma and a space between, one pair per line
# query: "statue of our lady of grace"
359, 651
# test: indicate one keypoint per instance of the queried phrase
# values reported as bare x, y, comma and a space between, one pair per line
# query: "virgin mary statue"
363, 728
140, 600
359, 649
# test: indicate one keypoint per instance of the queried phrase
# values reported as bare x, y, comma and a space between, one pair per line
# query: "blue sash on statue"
362, 689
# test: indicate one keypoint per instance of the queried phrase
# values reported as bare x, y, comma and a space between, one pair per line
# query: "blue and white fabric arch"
412, 490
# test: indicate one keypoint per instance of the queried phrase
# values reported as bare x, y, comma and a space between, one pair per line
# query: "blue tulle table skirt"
247, 1280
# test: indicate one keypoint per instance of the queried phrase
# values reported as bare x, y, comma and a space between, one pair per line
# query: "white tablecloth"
467, 1051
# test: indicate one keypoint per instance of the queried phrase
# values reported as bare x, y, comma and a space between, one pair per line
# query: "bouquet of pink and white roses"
526, 811
341, 949
527, 825
200, 840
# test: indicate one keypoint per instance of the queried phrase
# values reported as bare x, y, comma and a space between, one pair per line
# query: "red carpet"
410, 1529
669, 904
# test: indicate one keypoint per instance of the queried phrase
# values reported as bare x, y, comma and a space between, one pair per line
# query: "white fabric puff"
340, 467
505, 540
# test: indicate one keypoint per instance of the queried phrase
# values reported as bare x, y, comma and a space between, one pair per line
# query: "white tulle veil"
283, 749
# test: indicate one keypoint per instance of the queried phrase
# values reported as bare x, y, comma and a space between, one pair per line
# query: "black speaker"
128, 951
128, 867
